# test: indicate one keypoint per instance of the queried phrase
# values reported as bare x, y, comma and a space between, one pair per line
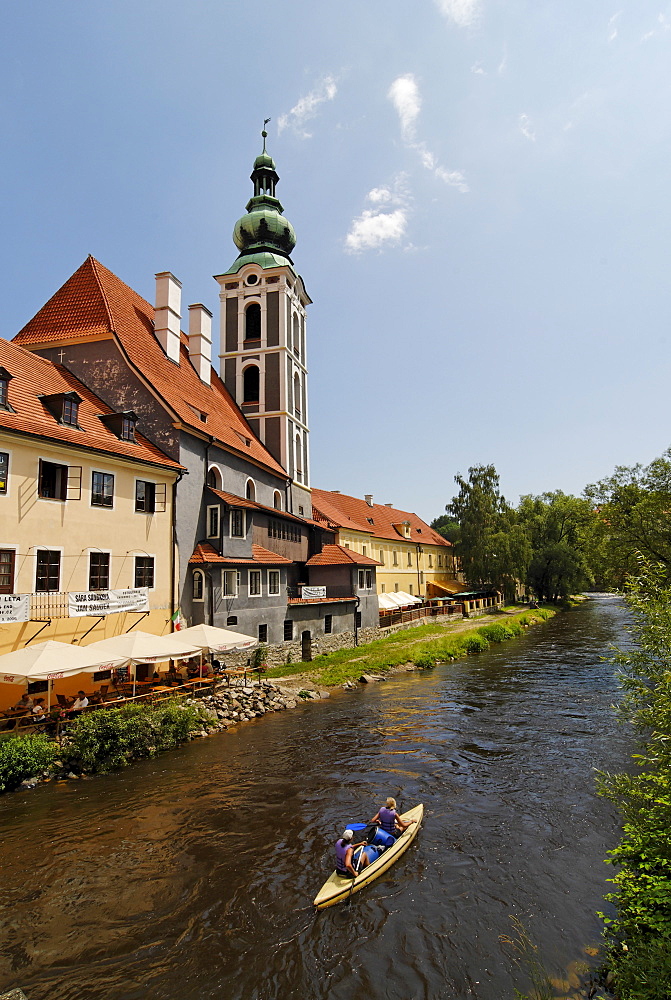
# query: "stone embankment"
231, 705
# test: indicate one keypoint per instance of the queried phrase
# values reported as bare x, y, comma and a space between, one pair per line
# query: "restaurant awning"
51, 660
217, 640
143, 647
449, 589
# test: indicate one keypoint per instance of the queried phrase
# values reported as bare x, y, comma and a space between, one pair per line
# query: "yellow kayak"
336, 889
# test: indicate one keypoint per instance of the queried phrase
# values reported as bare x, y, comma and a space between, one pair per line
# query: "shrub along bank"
638, 939
100, 741
424, 646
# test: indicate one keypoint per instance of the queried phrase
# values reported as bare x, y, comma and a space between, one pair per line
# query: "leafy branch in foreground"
639, 936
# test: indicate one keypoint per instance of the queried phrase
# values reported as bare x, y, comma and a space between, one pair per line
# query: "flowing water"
191, 876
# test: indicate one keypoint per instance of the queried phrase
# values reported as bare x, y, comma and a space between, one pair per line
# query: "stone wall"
278, 654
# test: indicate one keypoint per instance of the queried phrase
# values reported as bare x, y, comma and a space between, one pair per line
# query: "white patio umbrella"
52, 660
407, 598
143, 647
217, 640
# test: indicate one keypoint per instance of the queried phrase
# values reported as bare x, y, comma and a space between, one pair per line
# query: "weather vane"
264, 133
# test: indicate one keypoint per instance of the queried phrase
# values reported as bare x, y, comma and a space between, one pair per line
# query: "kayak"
336, 889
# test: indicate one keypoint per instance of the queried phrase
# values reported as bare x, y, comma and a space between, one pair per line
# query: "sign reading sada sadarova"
14, 608
108, 602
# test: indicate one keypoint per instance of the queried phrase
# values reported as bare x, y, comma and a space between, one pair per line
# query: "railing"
413, 614
58, 720
49, 605
332, 593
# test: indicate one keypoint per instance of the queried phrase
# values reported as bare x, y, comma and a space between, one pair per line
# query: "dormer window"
5, 376
70, 411
64, 406
122, 424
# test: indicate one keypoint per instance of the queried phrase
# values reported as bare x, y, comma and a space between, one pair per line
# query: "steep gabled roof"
34, 376
95, 304
377, 519
206, 553
338, 555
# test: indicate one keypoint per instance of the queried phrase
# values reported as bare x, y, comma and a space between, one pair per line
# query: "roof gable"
94, 302
377, 519
34, 377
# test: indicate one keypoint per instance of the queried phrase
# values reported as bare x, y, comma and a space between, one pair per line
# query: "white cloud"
526, 128
454, 178
378, 195
463, 13
307, 107
404, 95
373, 230
612, 26
663, 24
477, 68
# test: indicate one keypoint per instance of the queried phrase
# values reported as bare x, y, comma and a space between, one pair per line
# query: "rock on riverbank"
231, 705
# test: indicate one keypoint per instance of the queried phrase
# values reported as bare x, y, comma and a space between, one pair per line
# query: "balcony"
341, 593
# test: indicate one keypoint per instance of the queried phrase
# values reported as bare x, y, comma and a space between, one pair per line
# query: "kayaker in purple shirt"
344, 849
389, 819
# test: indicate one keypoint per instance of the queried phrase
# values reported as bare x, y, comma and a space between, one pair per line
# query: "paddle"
356, 869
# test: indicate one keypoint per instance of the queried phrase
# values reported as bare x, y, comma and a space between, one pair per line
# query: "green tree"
493, 548
447, 527
634, 506
559, 528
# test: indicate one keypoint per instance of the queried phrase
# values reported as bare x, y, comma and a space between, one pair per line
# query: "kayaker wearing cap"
344, 849
389, 819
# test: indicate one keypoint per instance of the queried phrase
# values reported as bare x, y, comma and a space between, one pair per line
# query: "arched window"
250, 490
299, 471
214, 478
250, 384
232, 620
197, 585
297, 335
277, 500
297, 395
253, 321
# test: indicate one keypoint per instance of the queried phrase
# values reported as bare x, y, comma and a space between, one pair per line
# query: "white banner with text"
108, 602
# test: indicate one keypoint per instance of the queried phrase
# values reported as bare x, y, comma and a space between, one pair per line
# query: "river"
191, 876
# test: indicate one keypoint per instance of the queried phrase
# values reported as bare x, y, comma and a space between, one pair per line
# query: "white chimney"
167, 314
368, 497
200, 340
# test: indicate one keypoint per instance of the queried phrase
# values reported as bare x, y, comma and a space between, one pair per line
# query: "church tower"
262, 330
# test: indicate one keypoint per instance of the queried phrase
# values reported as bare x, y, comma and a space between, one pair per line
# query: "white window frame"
8, 452
250, 574
48, 548
200, 573
144, 555
106, 472
16, 550
224, 574
271, 574
215, 507
241, 511
98, 551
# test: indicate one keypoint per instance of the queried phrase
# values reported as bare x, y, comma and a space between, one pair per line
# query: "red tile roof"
262, 555
206, 553
94, 303
234, 501
34, 376
343, 511
338, 555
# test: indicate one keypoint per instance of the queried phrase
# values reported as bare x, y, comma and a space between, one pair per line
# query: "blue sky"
478, 187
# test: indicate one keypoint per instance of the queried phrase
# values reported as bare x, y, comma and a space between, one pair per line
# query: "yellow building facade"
414, 558
85, 507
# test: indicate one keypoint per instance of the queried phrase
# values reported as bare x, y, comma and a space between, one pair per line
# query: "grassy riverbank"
424, 645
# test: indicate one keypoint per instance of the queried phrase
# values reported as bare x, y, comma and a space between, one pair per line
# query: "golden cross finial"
264, 133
